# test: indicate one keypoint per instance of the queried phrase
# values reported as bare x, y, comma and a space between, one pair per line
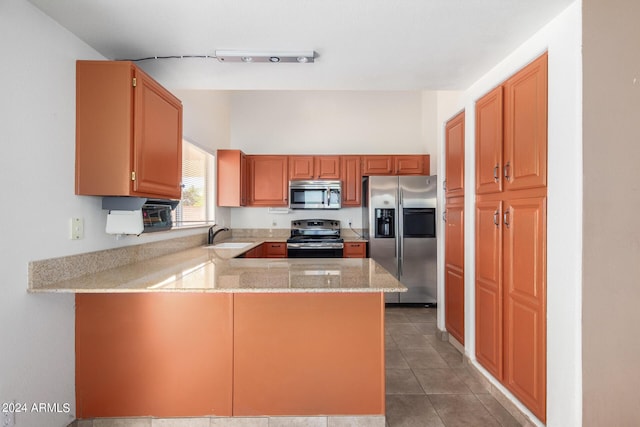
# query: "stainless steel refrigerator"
399, 218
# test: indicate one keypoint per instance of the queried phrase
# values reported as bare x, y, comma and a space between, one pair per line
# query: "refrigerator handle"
400, 235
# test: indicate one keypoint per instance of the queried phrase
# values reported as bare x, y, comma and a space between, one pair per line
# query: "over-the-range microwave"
314, 194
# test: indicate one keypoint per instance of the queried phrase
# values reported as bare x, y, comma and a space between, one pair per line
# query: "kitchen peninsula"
200, 333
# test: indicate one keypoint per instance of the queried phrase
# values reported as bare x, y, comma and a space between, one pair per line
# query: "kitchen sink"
230, 245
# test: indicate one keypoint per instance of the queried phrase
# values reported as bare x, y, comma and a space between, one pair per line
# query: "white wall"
37, 106
562, 38
328, 122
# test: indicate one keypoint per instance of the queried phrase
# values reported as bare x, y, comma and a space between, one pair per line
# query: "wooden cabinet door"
274, 250
489, 142
351, 170
327, 167
454, 156
133, 357
231, 173
301, 167
302, 368
377, 165
525, 301
454, 268
157, 147
268, 184
489, 293
411, 164
355, 250
525, 138
128, 138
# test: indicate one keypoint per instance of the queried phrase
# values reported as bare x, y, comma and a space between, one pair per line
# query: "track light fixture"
301, 57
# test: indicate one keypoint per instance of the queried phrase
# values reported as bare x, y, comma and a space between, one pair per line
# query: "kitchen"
39, 336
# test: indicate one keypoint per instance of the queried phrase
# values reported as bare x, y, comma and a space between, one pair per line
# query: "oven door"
314, 250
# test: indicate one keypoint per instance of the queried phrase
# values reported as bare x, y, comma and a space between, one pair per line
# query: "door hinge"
133, 175
134, 82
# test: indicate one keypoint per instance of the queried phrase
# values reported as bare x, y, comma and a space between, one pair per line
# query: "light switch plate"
77, 228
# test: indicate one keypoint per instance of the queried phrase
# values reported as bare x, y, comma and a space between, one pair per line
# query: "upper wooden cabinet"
351, 180
383, 164
268, 183
525, 135
511, 132
128, 133
314, 167
231, 178
489, 142
454, 156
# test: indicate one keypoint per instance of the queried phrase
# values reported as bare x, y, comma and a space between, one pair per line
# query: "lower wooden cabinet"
308, 354
511, 295
489, 320
160, 354
220, 354
355, 250
274, 250
454, 268
524, 246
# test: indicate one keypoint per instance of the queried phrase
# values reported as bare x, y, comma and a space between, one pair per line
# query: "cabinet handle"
496, 215
444, 216
506, 218
444, 185
506, 171
496, 175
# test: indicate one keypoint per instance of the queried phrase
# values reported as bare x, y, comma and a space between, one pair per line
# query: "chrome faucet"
213, 234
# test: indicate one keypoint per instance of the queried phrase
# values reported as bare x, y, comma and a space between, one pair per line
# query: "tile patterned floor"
428, 384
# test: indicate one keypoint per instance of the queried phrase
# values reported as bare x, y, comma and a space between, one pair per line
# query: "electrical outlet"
77, 228
349, 222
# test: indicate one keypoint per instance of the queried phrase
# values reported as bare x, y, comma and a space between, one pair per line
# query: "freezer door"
382, 193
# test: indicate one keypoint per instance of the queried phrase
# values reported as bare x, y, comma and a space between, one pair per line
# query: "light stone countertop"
206, 269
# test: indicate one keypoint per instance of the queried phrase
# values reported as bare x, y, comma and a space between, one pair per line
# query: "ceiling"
360, 44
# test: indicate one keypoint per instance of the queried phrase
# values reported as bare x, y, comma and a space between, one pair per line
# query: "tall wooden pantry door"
511, 197
454, 227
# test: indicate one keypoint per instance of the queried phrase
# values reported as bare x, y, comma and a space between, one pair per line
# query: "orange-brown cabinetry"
383, 164
128, 133
267, 181
454, 227
274, 250
454, 156
355, 250
231, 178
314, 167
511, 234
134, 359
489, 323
351, 170
310, 363
511, 132
454, 268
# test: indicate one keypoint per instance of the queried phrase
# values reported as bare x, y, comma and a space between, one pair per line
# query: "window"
198, 184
